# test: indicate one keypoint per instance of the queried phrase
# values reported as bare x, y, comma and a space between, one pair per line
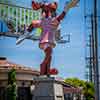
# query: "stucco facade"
24, 78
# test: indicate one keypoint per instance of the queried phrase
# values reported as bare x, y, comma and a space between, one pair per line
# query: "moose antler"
36, 5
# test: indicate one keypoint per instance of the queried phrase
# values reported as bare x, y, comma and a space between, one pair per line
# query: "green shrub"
11, 88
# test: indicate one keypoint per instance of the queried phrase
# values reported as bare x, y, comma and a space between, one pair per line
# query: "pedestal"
47, 89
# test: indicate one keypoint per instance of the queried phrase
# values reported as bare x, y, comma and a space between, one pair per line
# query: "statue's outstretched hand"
71, 4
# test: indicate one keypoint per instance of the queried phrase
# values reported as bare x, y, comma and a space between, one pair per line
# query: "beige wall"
21, 77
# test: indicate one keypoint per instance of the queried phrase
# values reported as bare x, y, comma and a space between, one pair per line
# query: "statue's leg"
48, 65
45, 65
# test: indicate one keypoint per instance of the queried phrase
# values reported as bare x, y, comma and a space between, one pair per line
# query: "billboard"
17, 14
21, 3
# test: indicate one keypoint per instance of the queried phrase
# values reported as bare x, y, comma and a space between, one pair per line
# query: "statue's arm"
71, 4
34, 24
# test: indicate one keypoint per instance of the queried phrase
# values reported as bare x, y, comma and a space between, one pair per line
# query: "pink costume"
47, 39
49, 27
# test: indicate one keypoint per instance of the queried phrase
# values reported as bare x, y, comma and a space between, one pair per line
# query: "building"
18, 15
24, 78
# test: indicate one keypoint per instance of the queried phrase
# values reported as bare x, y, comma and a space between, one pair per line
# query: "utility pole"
90, 62
91, 59
96, 77
93, 47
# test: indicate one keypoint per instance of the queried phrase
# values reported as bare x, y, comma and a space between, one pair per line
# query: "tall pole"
93, 48
96, 53
90, 62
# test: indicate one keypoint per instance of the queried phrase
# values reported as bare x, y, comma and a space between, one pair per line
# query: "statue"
49, 24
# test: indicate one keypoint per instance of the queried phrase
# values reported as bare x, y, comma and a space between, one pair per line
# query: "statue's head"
48, 9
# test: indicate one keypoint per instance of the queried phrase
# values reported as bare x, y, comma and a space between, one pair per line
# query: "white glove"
71, 4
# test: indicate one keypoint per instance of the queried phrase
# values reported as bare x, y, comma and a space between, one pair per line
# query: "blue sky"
68, 58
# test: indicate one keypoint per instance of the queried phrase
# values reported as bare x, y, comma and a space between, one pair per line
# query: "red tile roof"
5, 64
